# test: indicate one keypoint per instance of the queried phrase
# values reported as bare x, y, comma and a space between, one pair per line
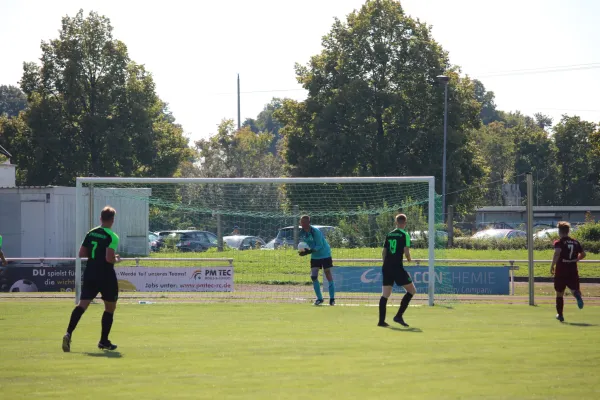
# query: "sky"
196, 49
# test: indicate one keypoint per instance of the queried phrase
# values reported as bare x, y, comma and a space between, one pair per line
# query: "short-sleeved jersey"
569, 251
97, 241
395, 242
316, 241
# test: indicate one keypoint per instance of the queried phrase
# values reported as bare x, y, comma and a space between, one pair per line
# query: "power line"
516, 72
258, 91
542, 70
484, 185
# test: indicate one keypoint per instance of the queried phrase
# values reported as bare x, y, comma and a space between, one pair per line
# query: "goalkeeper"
320, 257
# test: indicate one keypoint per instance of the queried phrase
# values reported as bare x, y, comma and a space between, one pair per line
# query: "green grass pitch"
297, 351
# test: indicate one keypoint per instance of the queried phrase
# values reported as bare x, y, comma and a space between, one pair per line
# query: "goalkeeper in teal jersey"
320, 257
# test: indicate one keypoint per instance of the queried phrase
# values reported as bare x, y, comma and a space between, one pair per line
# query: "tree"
372, 94
91, 111
498, 150
488, 112
237, 153
574, 140
543, 121
535, 152
266, 122
12, 100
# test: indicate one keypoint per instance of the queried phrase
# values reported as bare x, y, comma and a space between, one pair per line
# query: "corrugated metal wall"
131, 223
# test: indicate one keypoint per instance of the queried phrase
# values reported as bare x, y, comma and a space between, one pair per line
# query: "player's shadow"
105, 354
397, 328
579, 324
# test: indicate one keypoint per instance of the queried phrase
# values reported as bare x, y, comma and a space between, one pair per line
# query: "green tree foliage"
372, 94
498, 150
514, 146
488, 112
12, 100
91, 111
266, 122
574, 140
237, 153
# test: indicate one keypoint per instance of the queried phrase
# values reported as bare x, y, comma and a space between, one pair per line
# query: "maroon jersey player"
567, 252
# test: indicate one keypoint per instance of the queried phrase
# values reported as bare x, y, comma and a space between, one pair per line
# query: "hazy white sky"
196, 49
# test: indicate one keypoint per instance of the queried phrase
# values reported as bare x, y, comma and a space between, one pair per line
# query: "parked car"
418, 236
241, 242
152, 238
285, 236
195, 240
157, 244
546, 233
499, 234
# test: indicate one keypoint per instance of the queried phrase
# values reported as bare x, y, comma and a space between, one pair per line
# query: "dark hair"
305, 217
400, 218
564, 227
107, 214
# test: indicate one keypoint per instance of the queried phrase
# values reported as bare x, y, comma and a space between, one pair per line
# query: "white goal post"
83, 212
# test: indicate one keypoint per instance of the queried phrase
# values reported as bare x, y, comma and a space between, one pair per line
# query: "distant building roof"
539, 209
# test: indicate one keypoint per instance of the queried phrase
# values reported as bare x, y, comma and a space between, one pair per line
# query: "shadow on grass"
579, 324
446, 306
397, 328
105, 354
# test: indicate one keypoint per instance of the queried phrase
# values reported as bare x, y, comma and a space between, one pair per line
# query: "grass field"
285, 266
209, 351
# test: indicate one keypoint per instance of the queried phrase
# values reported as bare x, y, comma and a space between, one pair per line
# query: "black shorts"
104, 283
324, 263
397, 275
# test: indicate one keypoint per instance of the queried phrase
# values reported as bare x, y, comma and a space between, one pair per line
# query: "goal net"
235, 239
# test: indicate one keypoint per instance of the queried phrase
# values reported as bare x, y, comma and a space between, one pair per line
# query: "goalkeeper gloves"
306, 252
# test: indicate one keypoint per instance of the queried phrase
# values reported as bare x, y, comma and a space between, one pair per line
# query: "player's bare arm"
383, 254
554, 261
581, 256
4, 262
407, 253
83, 252
111, 257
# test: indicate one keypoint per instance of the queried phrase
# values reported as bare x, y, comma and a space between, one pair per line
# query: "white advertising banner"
174, 279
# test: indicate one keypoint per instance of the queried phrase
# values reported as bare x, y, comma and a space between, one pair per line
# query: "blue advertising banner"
448, 280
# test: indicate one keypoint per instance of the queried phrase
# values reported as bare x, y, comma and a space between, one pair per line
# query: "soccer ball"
23, 285
302, 246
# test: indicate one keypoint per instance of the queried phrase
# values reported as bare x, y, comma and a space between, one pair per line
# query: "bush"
590, 231
590, 246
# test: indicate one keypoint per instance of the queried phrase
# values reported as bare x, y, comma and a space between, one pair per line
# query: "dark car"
186, 240
196, 240
241, 242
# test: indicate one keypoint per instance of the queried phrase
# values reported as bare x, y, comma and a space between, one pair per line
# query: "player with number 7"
395, 247
567, 252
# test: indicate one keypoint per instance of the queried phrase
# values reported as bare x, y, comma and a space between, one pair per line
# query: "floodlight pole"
444, 79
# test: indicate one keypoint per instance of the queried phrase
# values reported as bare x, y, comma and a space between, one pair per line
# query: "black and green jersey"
97, 241
395, 242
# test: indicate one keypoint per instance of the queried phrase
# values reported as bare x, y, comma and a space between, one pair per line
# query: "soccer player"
567, 252
320, 258
99, 246
395, 247
1, 253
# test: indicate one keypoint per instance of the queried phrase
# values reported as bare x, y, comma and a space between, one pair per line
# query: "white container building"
38, 222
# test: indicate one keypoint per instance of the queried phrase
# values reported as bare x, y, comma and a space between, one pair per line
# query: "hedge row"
516, 244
